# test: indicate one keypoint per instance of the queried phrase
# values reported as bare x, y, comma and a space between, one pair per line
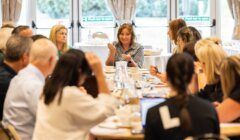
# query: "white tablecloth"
102, 51
231, 47
157, 60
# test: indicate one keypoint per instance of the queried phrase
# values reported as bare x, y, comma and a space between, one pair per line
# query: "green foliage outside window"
151, 8
54, 8
192, 5
145, 8
95, 8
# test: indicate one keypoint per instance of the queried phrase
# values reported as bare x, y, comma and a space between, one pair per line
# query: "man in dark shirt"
15, 58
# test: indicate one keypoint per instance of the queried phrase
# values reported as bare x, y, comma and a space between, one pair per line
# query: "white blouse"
74, 117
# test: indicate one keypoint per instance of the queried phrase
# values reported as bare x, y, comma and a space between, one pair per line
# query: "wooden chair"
100, 35
208, 136
8, 132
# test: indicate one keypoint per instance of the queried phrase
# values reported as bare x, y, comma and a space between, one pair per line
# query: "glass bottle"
125, 84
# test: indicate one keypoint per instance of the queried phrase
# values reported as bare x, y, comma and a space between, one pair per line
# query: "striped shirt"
136, 52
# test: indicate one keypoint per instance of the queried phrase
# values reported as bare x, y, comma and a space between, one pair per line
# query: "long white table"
227, 129
102, 51
157, 60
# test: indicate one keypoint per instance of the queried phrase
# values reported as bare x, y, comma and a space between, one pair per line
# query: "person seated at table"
229, 109
22, 30
173, 27
184, 36
5, 33
65, 110
125, 48
15, 59
37, 37
189, 49
182, 114
210, 56
58, 35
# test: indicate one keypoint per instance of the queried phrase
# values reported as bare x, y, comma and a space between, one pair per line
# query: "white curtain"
11, 10
234, 6
123, 10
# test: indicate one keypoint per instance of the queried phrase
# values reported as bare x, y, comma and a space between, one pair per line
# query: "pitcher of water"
125, 84
121, 73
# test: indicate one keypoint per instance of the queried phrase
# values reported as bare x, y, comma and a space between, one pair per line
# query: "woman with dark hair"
186, 35
126, 48
182, 114
189, 49
173, 27
65, 110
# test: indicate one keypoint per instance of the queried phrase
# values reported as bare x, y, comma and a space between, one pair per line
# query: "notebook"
145, 104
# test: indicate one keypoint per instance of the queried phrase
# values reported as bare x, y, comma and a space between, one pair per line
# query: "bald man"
20, 105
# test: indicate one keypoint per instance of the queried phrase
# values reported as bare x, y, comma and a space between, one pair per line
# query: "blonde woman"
58, 35
229, 109
210, 56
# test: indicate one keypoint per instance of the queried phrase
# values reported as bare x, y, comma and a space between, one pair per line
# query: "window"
151, 23
96, 18
227, 22
196, 13
24, 13
52, 12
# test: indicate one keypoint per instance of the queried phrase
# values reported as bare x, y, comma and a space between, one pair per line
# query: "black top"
1, 56
212, 92
6, 74
235, 94
203, 116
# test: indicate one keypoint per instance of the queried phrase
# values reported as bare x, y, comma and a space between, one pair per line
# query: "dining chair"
208, 136
8, 132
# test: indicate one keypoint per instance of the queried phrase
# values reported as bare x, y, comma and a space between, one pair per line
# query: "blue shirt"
20, 105
136, 52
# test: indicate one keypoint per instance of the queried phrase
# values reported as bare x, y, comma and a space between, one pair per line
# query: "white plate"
110, 125
120, 125
110, 70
